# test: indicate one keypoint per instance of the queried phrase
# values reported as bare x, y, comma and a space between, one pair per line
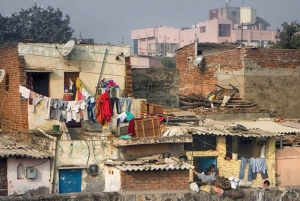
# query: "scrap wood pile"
291, 139
194, 102
220, 97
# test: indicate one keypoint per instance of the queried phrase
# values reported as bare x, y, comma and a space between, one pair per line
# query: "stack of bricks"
155, 180
13, 108
128, 78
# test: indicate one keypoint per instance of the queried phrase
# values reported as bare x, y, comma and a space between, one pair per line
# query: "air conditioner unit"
94, 169
31, 173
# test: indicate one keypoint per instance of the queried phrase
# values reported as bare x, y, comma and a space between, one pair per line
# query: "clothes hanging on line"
24, 91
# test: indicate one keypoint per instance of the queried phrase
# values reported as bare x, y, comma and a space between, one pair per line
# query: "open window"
67, 77
38, 82
246, 147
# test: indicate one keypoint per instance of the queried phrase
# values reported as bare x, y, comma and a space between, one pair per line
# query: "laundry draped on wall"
84, 106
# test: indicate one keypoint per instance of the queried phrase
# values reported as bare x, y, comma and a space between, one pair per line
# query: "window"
38, 82
67, 77
202, 29
224, 30
20, 171
233, 13
135, 46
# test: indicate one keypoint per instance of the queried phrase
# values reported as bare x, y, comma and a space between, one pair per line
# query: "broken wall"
272, 80
157, 85
13, 108
222, 68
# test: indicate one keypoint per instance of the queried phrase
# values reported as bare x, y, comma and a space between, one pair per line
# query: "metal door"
70, 181
3, 177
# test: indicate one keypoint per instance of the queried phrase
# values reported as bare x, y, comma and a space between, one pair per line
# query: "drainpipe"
53, 162
281, 143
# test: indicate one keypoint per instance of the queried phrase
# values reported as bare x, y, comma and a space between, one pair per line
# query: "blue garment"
62, 105
90, 109
128, 104
259, 165
120, 104
244, 161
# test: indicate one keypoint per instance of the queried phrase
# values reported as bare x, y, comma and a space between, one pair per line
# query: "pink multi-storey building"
231, 24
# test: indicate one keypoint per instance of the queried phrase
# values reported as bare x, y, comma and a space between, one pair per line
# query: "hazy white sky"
109, 20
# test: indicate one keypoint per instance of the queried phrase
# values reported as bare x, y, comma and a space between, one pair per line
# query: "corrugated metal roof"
270, 126
224, 128
291, 124
150, 165
10, 148
153, 167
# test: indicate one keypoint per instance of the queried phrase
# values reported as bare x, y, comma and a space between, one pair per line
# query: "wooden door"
3, 177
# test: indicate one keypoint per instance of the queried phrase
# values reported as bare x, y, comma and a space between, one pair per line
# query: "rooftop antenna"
227, 3
122, 41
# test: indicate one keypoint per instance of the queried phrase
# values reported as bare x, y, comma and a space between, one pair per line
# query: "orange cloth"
220, 191
103, 109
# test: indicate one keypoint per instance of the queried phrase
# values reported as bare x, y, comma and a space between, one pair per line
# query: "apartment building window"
202, 29
224, 30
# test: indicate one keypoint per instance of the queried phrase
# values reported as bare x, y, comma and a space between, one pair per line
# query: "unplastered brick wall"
214, 69
155, 180
272, 80
13, 109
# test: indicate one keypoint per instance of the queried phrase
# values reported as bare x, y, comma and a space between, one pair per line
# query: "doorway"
201, 163
70, 181
3, 177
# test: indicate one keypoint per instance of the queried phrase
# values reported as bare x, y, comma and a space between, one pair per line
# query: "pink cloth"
79, 95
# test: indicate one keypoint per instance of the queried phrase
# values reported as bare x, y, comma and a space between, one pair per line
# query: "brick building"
147, 177
13, 108
268, 77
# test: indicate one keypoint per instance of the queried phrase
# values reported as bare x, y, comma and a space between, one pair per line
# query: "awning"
38, 71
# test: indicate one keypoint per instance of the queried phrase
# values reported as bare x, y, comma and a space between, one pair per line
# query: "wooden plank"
148, 127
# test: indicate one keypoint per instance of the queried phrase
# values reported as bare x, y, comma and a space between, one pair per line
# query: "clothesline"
87, 109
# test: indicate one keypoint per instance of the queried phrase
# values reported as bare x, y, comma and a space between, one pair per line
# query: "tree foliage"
167, 63
288, 37
36, 23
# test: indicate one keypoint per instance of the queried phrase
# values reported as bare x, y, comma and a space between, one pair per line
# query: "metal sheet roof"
10, 148
153, 167
149, 165
291, 124
258, 128
269, 126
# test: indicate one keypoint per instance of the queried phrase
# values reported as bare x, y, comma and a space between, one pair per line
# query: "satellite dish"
68, 48
198, 60
2, 74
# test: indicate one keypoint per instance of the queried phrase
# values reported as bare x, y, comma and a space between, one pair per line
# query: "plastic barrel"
68, 97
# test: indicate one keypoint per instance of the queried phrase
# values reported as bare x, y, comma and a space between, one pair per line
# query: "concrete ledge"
147, 140
241, 194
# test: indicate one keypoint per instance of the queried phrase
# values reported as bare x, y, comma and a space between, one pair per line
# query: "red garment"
103, 108
130, 129
160, 117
